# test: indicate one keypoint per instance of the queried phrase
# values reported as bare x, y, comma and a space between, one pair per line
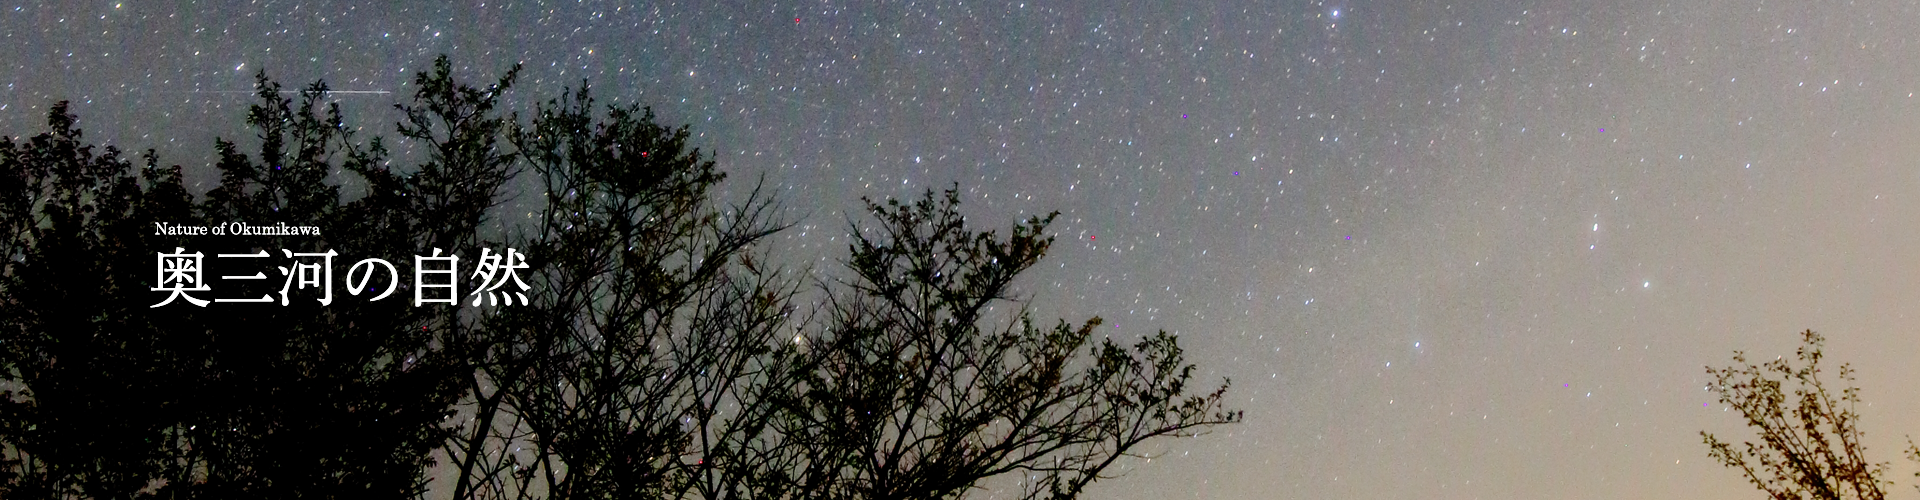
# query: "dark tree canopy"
109, 396
657, 352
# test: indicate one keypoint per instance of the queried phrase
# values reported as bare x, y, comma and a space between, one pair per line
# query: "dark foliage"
655, 354
111, 396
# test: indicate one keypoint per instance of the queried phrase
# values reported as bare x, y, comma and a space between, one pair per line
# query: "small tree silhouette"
1810, 443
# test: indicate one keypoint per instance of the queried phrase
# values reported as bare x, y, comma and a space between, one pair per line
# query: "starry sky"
1443, 250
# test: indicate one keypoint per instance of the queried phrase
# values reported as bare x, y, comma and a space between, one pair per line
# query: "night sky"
1471, 250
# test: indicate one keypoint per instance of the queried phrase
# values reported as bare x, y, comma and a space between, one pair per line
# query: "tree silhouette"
655, 354
913, 390
65, 346
1810, 443
111, 397
651, 317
